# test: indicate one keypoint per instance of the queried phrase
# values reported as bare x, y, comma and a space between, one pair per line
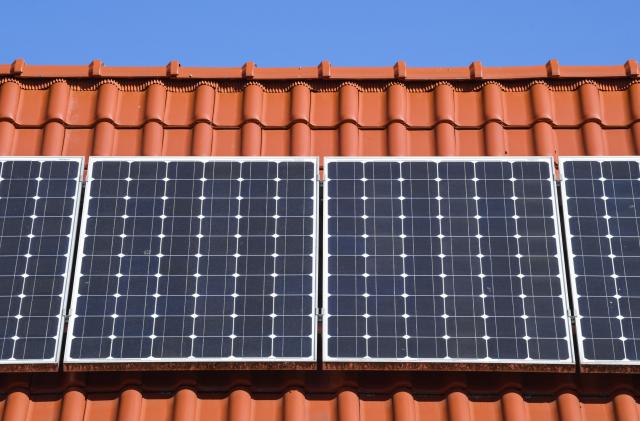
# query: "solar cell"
443, 260
196, 260
602, 229
38, 207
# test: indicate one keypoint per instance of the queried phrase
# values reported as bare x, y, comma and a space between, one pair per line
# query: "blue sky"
302, 33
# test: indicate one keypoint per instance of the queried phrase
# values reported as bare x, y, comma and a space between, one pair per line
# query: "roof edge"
326, 382
250, 71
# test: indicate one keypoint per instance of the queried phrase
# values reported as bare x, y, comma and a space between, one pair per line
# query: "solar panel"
444, 261
196, 260
38, 207
602, 228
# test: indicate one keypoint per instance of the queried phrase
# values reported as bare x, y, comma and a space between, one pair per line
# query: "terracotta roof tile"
324, 110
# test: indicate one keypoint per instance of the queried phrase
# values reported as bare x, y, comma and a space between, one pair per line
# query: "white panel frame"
572, 277
106, 364
570, 361
41, 364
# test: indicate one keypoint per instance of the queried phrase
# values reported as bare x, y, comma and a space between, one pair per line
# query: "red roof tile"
324, 110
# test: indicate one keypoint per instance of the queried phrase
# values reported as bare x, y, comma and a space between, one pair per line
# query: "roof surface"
324, 111
317, 116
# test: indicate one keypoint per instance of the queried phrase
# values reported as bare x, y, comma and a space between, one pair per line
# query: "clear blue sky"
289, 33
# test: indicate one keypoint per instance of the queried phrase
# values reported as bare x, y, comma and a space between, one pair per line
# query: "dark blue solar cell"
531, 170
457, 170
622, 170
346, 170
488, 170
420, 170
186, 172
222, 171
141, 170
588, 170
21, 169
304, 171
386, 170
449, 258
259, 171
197, 259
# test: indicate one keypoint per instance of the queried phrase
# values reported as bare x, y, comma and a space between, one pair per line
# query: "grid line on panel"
482, 267
481, 274
274, 256
394, 271
28, 257
275, 243
550, 273
366, 273
520, 270
613, 264
26, 265
311, 271
13, 286
366, 302
163, 239
58, 247
443, 275
198, 260
634, 344
264, 264
235, 274
15, 271
123, 235
404, 271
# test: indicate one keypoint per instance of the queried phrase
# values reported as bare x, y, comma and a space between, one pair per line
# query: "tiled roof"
95, 116
174, 110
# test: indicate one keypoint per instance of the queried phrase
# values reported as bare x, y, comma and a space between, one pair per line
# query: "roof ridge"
325, 70
238, 85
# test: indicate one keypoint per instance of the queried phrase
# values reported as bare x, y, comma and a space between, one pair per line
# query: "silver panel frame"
40, 364
180, 363
579, 337
450, 361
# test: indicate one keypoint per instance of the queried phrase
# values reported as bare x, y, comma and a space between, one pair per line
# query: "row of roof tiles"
296, 396
251, 140
321, 105
160, 118
239, 405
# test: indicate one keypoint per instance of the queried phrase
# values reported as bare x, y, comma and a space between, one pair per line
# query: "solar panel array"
443, 259
38, 206
602, 226
214, 259
196, 259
